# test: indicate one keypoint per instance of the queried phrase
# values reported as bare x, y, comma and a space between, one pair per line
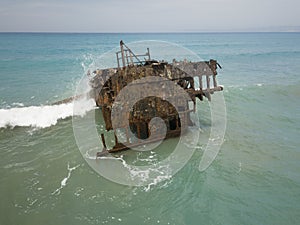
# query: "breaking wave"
42, 116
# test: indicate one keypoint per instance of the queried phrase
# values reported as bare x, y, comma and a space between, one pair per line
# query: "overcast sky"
149, 15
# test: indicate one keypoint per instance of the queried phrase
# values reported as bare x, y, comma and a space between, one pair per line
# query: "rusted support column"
103, 141
208, 83
215, 81
207, 94
116, 139
200, 82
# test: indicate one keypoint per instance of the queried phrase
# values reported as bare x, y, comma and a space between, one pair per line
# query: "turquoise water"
254, 179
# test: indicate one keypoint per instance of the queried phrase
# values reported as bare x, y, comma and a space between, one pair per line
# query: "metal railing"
129, 58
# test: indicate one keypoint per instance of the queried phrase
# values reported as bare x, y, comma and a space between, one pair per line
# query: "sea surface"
255, 178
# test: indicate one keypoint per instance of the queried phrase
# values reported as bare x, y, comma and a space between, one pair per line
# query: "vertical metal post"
131, 59
103, 141
118, 59
126, 53
148, 53
122, 53
215, 81
116, 138
208, 88
208, 82
201, 83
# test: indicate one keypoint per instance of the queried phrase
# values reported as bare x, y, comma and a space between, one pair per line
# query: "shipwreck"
196, 79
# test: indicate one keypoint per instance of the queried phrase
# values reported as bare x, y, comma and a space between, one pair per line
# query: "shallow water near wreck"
254, 179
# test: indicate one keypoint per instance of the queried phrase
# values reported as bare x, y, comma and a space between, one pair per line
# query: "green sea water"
255, 179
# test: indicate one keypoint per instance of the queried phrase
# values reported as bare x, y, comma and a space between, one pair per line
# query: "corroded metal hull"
194, 79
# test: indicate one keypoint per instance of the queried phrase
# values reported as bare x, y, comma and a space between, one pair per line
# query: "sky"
149, 15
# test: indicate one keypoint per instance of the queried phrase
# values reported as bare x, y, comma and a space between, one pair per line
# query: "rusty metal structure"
197, 79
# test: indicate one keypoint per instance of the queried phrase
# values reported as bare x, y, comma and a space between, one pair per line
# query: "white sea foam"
162, 173
42, 116
18, 104
63, 183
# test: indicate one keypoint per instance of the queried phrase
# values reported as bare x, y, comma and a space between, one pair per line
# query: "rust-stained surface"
108, 83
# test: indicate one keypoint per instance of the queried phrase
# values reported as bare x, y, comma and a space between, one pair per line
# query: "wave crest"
42, 116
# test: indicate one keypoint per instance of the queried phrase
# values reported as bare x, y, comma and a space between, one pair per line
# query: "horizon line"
146, 32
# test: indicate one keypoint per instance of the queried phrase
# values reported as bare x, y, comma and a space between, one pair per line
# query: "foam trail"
42, 116
163, 173
63, 183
